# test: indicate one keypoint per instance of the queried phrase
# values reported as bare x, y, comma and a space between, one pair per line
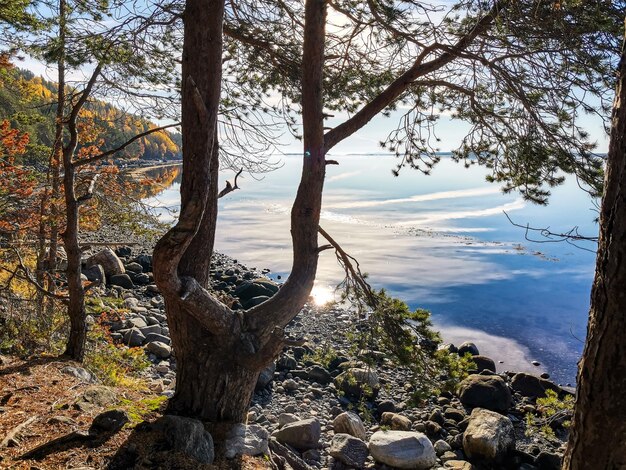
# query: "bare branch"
230, 187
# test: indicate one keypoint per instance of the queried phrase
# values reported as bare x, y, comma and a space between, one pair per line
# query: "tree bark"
220, 352
598, 434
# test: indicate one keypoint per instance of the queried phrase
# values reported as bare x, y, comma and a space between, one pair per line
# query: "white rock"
246, 440
350, 423
488, 435
403, 449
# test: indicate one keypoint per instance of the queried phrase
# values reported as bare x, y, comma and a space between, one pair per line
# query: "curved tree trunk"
220, 352
598, 435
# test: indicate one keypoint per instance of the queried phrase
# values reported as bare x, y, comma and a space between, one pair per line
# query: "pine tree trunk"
75, 347
598, 434
219, 353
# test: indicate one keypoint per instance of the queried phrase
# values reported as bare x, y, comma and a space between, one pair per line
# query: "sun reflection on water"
322, 295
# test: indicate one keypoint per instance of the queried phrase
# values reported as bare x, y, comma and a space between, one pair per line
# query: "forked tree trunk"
598, 434
220, 352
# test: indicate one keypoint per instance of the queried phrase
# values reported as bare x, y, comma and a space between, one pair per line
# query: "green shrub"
552, 414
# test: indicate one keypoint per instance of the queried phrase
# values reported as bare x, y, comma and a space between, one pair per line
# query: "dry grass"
37, 388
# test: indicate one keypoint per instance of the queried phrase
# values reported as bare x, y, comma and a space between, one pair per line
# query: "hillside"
28, 102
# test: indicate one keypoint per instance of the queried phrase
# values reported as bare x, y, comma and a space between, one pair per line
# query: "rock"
402, 449
110, 422
485, 391
454, 414
266, 376
254, 301
484, 363
248, 290
124, 251
437, 417
349, 450
536, 363
548, 461
531, 386
150, 329
80, 373
302, 435
159, 349
468, 347
95, 273
358, 382
489, 435
141, 279
151, 337
350, 423
458, 465
136, 322
441, 447
99, 395
290, 385
385, 406
109, 261
246, 440
134, 338
287, 418
187, 436
145, 261
396, 422
134, 267
319, 374
286, 362
449, 347
121, 280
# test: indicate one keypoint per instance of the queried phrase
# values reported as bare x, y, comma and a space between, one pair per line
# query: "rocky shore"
319, 407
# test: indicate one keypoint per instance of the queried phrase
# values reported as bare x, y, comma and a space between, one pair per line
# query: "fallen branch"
292, 459
11, 437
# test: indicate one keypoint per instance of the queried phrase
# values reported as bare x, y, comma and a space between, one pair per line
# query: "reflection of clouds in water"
342, 176
439, 216
461, 193
514, 355
401, 262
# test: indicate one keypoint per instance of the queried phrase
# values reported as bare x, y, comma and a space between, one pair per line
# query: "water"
440, 242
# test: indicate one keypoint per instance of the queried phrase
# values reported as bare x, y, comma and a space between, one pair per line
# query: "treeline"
28, 103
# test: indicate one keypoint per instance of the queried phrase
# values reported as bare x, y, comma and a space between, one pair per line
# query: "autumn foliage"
17, 183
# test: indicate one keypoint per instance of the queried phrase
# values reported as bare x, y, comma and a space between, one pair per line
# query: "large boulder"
485, 391
246, 440
188, 436
489, 436
403, 449
302, 435
358, 383
531, 386
349, 423
247, 290
468, 347
349, 450
108, 260
484, 363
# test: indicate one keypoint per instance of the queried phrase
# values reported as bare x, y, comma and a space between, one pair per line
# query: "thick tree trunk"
598, 435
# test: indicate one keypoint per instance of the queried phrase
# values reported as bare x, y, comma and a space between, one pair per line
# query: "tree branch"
402, 83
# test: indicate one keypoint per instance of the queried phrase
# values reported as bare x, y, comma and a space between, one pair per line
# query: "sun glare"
322, 295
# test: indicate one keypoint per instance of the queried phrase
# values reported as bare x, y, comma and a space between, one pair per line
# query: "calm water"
440, 242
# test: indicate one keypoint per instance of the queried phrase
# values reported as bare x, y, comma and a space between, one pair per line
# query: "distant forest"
29, 103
